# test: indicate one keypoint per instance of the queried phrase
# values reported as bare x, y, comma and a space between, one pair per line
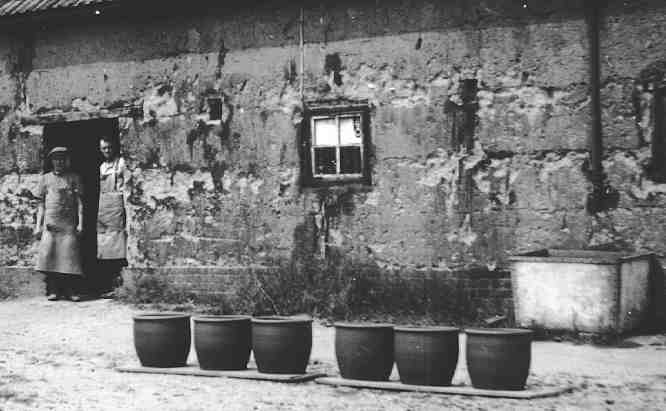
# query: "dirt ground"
62, 355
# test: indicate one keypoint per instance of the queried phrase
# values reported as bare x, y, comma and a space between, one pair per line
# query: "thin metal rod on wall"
301, 32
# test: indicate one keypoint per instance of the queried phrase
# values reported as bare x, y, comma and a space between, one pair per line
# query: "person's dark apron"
111, 235
59, 247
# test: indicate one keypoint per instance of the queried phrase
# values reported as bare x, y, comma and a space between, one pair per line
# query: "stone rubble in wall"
464, 234
641, 187
645, 121
159, 103
82, 104
497, 170
16, 209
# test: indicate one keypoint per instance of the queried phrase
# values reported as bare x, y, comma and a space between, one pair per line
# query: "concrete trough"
581, 290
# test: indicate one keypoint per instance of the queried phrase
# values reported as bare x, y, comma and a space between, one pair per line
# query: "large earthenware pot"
162, 339
282, 344
426, 355
222, 342
364, 350
499, 358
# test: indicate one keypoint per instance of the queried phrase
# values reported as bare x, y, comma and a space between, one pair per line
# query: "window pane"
350, 160
215, 108
350, 130
325, 160
325, 132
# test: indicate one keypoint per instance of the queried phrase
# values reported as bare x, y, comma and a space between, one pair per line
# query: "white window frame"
338, 175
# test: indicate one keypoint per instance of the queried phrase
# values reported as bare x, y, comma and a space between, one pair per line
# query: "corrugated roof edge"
20, 8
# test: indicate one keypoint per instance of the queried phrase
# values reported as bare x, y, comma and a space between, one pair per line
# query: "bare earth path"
61, 356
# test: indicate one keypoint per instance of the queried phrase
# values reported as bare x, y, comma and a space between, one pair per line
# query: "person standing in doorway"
111, 218
60, 223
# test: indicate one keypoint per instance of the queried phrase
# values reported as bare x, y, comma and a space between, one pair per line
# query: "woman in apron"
60, 223
111, 218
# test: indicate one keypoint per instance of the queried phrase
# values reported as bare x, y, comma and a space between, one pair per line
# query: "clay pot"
162, 339
282, 344
426, 355
222, 342
364, 351
499, 358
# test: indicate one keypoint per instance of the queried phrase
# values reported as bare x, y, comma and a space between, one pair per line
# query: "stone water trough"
581, 290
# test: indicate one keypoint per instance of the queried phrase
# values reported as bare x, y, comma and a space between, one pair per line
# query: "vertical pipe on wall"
595, 199
595, 84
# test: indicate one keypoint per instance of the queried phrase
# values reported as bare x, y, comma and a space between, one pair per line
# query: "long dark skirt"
62, 285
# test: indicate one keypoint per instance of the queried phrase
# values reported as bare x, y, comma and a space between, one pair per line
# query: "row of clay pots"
281, 345
497, 359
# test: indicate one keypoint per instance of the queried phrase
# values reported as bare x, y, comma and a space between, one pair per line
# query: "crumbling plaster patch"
442, 170
499, 186
528, 118
156, 185
532, 103
108, 83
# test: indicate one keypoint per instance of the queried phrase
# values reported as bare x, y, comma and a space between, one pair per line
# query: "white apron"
59, 250
111, 219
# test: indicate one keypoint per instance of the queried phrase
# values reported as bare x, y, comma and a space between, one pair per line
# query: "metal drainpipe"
595, 198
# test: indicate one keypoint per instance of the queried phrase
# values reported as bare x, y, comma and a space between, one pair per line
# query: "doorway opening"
82, 139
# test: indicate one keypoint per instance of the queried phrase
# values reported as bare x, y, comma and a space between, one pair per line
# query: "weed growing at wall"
9, 287
146, 287
349, 289
336, 288
6, 293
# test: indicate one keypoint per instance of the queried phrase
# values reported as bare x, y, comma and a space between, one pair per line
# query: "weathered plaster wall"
230, 194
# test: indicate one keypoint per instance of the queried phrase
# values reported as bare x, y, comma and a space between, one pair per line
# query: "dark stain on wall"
221, 56
333, 66
290, 72
653, 80
464, 139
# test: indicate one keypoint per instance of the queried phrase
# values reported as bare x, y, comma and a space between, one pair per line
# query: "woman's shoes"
72, 297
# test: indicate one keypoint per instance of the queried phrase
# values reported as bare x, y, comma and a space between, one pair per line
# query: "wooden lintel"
68, 116
336, 105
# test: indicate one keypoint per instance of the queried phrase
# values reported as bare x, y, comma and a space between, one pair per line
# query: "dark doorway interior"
82, 138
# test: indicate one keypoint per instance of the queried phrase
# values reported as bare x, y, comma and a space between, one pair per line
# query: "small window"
337, 146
